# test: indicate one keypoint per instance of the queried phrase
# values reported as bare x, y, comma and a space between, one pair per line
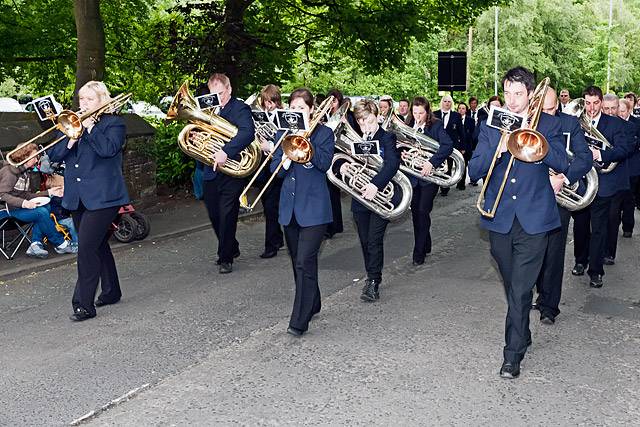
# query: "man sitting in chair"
15, 194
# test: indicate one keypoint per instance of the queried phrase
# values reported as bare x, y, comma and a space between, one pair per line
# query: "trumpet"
70, 124
577, 108
525, 144
417, 148
360, 171
297, 147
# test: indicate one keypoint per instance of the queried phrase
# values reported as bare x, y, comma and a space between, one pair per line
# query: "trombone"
70, 124
297, 147
526, 144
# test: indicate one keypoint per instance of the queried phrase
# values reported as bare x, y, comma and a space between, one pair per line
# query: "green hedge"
173, 167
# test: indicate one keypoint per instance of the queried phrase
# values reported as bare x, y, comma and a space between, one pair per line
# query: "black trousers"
95, 261
462, 184
629, 205
549, 283
371, 228
581, 235
613, 223
273, 237
595, 226
221, 197
336, 207
519, 257
304, 245
421, 206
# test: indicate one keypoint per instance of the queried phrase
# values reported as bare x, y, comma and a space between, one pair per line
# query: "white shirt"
445, 117
594, 121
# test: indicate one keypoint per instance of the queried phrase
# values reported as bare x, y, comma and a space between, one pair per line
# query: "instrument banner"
505, 120
365, 148
291, 120
46, 107
210, 100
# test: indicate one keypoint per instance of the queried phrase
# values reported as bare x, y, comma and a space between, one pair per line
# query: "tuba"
362, 169
525, 144
207, 133
417, 148
70, 124
568, 196
576, 108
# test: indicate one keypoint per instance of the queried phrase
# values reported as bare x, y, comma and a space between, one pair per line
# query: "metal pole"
469, 48
609, 44
495, 53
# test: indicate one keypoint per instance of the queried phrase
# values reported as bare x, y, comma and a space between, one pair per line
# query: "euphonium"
70, 124
568, 196
417, 148
207, 133
577, 108
267, 130
362, 169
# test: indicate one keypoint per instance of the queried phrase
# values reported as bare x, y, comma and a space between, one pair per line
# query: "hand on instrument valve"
597, 155
427, 169
56, 191
557, 181
344, 168
29, 204
369, 191
265, 145
219, 159
89, 123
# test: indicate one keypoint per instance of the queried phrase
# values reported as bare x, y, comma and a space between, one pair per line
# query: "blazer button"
293, 194
78, 179
513, 180
513, 197
77, 165
293, 178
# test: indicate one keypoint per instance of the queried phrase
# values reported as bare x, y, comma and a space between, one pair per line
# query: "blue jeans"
68, 223
43, 225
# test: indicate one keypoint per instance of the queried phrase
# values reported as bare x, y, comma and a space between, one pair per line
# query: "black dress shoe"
475, 184
578, 270
596, 281
81, 314
417, 262
225, 267
535, 306
461, 188
236, 255
268, 254
510, 370
626, 234
295, 331
100, 303
547, 319
608, 260
370, 290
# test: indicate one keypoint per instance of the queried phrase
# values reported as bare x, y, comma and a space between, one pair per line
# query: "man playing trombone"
520, 224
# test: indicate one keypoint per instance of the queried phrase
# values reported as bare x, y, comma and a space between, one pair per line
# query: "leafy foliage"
173, 167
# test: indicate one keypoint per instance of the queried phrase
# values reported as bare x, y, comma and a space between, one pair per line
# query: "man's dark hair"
473, 98
520, 75
593, 91
403, 100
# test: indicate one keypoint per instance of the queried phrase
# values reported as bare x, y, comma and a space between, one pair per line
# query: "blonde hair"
220, 78
99, 88
55, 180
364, 108
627, 103
446, 98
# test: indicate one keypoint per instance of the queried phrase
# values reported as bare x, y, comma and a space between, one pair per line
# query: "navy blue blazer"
304, 188
238, 114
390, 165
582, 161
435, 131
468, 128
454, 128
93, 166
621, 137
634, 160
527, 195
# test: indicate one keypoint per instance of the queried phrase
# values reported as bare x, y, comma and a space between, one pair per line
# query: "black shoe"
475, 184
547, 319
417, 262
225, 267
370, 290
461, 188
295, 331
535, 306
596, 281
81, 314
608, 260
626, 234
444, 194
578, 270
328, 235
100, 303
236, 255
281, 245
268, 254
510, 370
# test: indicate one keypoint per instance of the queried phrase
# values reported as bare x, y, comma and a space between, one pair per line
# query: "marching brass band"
568, 160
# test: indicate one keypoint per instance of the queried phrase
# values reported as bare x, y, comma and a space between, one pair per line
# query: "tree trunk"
90, 32
236, 44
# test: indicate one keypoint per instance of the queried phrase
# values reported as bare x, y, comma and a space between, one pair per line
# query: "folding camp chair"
13, 233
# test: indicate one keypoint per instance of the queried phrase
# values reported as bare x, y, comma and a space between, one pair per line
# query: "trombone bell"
528, 145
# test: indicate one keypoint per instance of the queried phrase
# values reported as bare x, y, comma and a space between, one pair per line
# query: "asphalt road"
205, 349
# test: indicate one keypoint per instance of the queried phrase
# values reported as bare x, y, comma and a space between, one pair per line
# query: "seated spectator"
14, 191
62, 216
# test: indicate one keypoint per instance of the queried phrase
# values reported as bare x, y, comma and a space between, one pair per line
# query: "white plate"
41, 201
